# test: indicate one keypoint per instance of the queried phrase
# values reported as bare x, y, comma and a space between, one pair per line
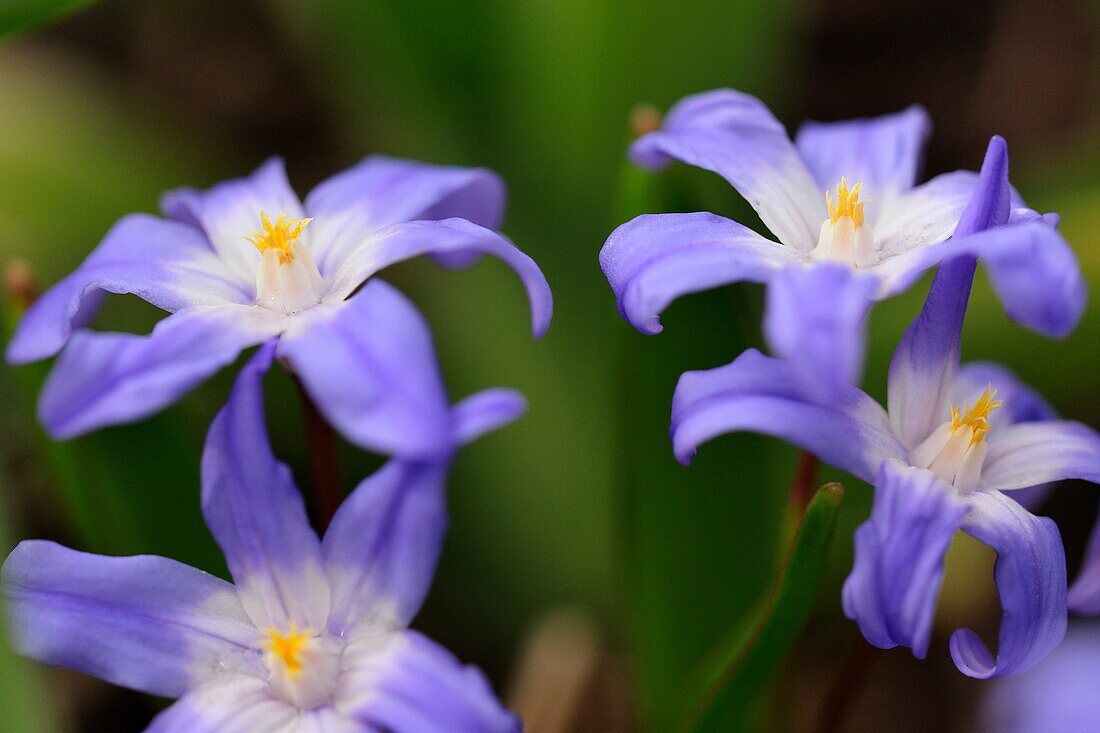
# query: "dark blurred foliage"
579, 504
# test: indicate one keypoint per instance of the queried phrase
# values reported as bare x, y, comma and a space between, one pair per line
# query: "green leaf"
733, 680
18, 16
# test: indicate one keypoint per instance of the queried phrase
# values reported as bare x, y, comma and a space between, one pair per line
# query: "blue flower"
942, 457
245, 263
311, 635
1059, 695
852, 227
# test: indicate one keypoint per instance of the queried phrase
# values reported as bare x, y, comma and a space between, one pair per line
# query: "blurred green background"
586, 571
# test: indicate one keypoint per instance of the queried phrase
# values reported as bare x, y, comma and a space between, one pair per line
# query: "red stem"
323, 461
805, 476
848, 686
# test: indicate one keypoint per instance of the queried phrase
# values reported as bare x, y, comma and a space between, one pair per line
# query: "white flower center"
955, 451
303, 666
845, 236
287, 279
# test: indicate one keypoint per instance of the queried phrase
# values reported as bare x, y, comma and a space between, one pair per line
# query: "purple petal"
1034, 453
228, 704
815, 318
328, 720
991, 204
760, 394
409, 683
371, 369
1033, 270
899, 554
110, 378
922, 371
145, 622
1031, 580
168, 264
451, 239
382, 546
1084, 594
485, 412
379, 191
654, 259
1058, 695
884, 153
257, 515
1021, 404
230, 211
737, 137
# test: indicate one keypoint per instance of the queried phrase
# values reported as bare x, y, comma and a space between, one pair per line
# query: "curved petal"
457, 242
257, 515
1033, 270
1031, 580
379, 191
816, 320
382, 547
654, 259
884, 154
485, 412
371, 369
230, 211
760, 394
899, 557
144, 622
1084, 594
110, 378
228, 704
166, 263
406, 682
1034, 453
737, 137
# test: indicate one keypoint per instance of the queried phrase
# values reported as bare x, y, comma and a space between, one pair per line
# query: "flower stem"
805, 476
848, 686
323, 461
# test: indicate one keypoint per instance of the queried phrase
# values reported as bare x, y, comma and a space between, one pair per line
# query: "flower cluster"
312, 634
954, 439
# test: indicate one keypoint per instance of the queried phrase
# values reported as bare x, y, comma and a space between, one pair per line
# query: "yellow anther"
288, 647
279, 235
977, 417
847, 203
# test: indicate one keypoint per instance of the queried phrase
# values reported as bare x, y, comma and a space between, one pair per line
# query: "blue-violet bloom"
942, 458
1058, 695
246, 262
312, 634
851, 223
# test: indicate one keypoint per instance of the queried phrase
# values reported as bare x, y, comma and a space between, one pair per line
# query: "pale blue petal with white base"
736, 136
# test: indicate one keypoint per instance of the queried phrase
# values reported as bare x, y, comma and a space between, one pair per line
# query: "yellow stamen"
288, 647
279, 235
977, 417
847, 203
